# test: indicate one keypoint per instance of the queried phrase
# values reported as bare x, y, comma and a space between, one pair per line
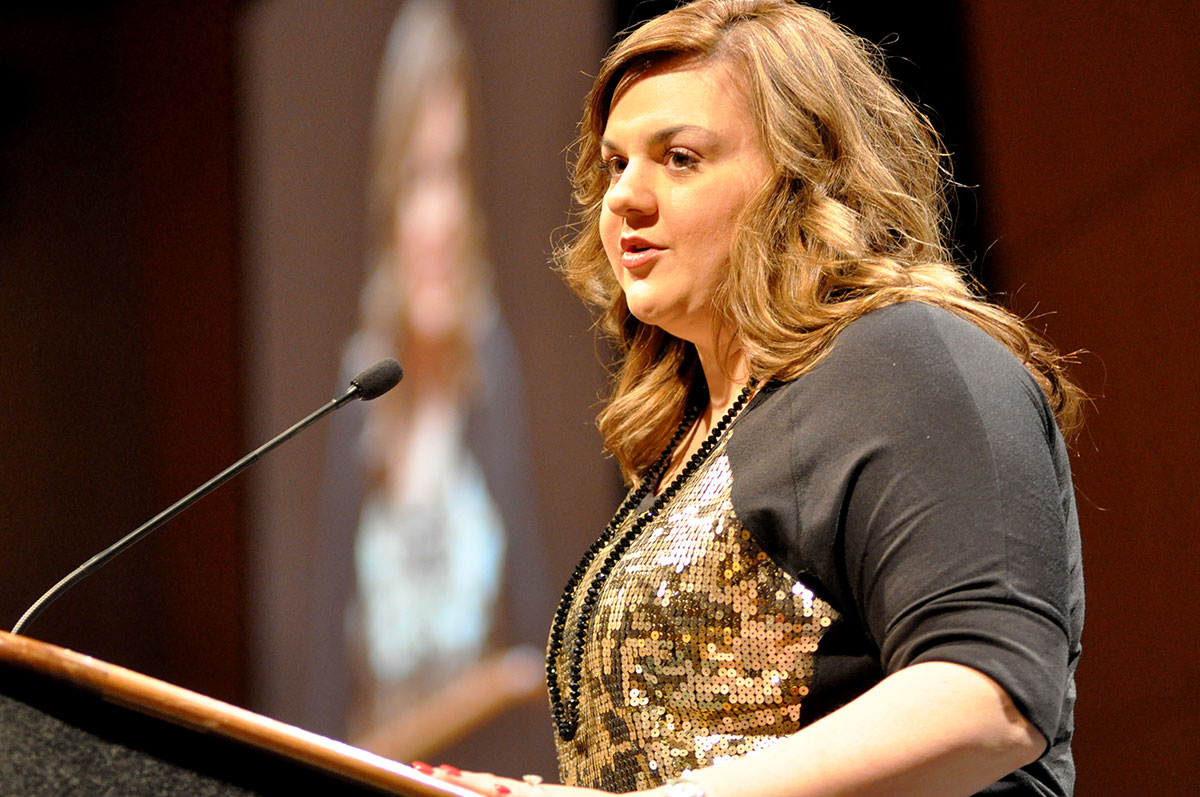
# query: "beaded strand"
566, 713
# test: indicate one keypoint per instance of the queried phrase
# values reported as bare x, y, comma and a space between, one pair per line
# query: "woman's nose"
631, 192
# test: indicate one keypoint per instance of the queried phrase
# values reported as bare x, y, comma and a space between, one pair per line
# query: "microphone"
376, 380
369, 384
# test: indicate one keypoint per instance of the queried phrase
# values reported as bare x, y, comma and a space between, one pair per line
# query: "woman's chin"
647, 313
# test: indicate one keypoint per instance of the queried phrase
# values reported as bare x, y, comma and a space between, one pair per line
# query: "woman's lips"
636, 258
637, 252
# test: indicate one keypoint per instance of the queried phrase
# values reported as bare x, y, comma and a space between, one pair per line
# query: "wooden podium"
73, 725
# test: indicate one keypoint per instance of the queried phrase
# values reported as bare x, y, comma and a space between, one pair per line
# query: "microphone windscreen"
381, 377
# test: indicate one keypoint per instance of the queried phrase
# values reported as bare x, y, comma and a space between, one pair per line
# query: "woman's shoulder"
915, 326
918, 345
908, 359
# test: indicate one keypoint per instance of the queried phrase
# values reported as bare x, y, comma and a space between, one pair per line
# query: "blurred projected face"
432, 216
683, 158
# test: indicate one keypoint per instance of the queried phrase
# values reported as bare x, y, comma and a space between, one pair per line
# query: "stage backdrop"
181, 245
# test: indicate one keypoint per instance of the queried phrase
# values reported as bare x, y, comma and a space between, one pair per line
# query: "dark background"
169, 301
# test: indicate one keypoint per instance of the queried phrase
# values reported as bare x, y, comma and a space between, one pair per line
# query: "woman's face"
432, 216
683, 158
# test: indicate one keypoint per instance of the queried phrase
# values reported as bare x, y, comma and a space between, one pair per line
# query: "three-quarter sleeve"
927, 489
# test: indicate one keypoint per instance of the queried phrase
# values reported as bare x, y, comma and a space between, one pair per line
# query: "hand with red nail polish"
489, 785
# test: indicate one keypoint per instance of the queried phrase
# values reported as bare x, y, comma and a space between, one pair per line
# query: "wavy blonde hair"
425, 53
853, 219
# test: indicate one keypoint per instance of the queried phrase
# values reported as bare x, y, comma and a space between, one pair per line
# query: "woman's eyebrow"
661, 136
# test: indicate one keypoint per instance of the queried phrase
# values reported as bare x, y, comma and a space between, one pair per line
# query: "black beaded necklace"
566, 712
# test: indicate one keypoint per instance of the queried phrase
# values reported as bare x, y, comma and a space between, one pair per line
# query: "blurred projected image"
430, 572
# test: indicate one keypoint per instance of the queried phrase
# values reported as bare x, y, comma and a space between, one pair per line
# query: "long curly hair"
425, 54
854, 217
425, 60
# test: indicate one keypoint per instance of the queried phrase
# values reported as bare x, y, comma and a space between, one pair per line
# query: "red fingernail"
422, 767
502, 789
455, 771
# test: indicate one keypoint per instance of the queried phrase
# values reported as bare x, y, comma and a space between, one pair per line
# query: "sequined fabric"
700, 649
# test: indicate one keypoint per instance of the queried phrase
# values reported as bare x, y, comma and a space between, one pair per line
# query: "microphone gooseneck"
371, 383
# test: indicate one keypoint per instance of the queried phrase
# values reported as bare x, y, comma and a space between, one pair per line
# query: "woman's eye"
680, 159
613, 166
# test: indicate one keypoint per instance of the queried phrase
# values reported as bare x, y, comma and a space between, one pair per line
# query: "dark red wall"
120, 350
1090, 151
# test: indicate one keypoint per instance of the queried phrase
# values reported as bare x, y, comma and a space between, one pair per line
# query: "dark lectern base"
74, 725
70, 742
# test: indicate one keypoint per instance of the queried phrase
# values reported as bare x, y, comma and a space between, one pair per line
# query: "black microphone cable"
371, 383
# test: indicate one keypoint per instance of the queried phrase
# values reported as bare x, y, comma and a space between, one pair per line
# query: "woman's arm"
934, 728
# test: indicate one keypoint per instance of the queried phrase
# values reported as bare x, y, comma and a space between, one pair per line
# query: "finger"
484, 783
489, 784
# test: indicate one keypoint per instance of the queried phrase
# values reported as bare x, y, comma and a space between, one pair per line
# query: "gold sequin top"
907, 500
700, 647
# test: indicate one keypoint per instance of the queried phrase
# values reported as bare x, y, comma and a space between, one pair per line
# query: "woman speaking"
849, 559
